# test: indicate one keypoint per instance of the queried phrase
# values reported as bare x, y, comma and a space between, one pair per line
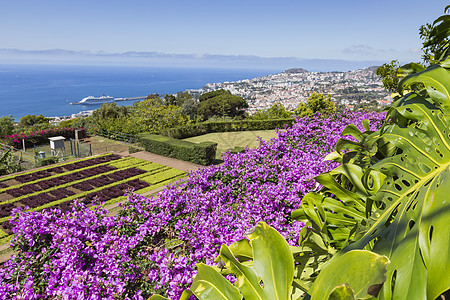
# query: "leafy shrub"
203, 153
197, 129
47, 161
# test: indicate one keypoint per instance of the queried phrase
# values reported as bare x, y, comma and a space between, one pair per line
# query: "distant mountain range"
157, 59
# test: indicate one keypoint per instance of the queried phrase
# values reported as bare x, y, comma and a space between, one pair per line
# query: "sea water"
48, 90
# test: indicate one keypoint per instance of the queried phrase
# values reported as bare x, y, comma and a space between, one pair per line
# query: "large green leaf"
268, 277
332, 214
209, 284
437, 83
362, 270
410, 224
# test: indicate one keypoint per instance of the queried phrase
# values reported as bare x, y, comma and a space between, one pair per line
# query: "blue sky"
361, 30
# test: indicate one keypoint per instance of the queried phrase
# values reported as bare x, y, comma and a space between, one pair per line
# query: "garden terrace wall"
197, 129
203, 153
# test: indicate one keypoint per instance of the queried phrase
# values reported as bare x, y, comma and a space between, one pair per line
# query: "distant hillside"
295, 71
373, 68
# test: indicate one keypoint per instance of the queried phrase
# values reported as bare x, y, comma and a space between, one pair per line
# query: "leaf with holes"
410, 222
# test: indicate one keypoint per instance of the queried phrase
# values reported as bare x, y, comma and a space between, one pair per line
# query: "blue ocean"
48, 90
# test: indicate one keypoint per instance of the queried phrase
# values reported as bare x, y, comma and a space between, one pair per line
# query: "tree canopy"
276, 111
316, 103
6, 125
221, 104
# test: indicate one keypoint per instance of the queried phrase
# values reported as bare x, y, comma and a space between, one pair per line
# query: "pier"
109, 101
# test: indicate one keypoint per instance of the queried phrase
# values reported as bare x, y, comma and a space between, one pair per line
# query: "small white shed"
57, 142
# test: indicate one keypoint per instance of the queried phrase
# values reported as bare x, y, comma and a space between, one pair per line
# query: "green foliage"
148, 115
213, 94
316, 103
435, 38
87, 123
390, 195
110, 116
197, 129
276, 111
66, 123
362, 277
47, 161
8, 164
30, 120
263, 266
220, 103
6, 125
388, 74
189, 108
182, 97
203, 153
151, 115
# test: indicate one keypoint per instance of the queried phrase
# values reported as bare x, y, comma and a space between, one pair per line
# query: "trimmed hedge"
197, 129
203, 153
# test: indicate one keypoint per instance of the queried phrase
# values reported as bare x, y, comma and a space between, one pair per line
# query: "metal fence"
26, 160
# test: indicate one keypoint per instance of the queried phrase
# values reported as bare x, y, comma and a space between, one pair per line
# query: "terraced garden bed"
103, 179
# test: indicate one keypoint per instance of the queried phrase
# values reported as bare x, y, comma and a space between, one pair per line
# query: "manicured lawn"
228, 140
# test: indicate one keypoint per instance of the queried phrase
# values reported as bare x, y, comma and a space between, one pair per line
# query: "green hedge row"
196, 129
202, 153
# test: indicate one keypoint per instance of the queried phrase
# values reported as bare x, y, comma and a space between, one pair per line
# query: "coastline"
48, 90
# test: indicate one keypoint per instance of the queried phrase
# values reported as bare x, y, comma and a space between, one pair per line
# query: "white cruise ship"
95, 100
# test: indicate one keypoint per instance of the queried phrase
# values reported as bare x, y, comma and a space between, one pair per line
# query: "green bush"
197, 129
202, 153
47, 161
134, 149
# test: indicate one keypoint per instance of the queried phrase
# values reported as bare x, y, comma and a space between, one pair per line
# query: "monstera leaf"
332, 214
361, 278
268, 276
410, 224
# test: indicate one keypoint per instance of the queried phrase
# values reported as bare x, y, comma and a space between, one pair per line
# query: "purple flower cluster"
162, 238
76, 255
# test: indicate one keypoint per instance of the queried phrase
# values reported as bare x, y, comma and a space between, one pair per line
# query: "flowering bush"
153, 244
41, 136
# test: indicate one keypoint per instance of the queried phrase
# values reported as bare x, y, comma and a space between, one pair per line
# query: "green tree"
189, 108
170, 100
316, 103
276, 111
436, 42
66, 123
388, 74
30, 120
221, 104
8, 163
110, 116
152, 115
212, 94
6, 125
183, 97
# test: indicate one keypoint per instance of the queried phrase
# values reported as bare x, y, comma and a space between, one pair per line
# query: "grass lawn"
228, 140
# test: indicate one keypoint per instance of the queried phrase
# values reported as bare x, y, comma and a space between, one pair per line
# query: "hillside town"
351, 89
